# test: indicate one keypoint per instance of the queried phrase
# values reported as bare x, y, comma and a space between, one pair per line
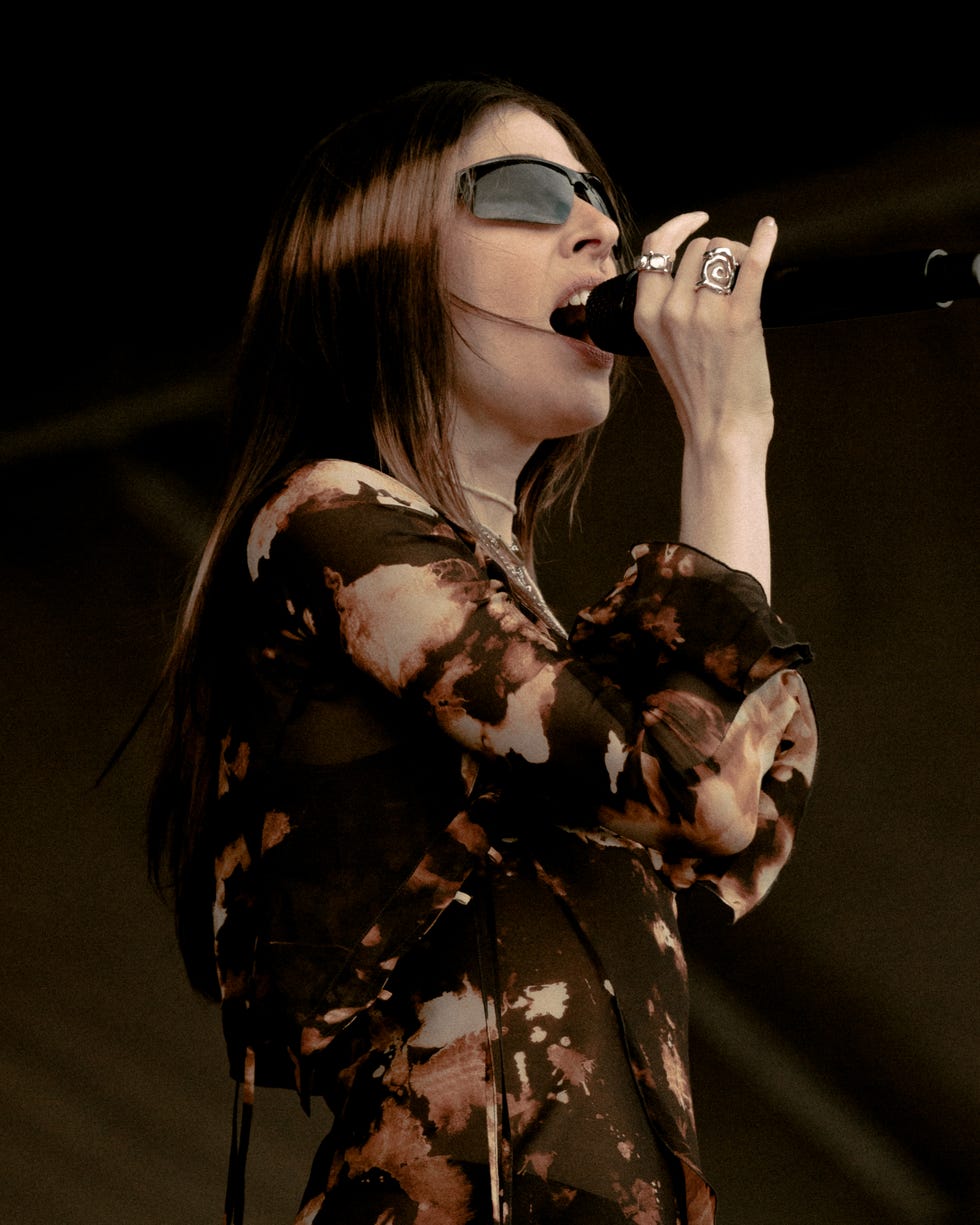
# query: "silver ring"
719, 269
654, 261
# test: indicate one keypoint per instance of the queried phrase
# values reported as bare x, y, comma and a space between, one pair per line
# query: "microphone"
834, 289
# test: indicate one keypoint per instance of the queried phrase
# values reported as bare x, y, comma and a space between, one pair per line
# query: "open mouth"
569, 318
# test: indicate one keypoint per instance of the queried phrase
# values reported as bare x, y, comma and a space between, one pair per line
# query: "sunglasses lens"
523, 191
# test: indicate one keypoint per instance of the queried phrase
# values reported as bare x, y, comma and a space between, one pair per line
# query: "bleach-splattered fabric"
448, 846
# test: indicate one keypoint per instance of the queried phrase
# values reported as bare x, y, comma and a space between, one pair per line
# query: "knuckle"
674, 313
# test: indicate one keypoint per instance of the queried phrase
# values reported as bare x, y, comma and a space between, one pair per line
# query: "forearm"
724, 511
710, 352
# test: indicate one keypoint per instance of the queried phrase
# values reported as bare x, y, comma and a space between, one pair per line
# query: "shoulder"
333, 490
337, 483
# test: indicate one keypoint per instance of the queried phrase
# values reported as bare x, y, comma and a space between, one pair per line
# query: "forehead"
515, 131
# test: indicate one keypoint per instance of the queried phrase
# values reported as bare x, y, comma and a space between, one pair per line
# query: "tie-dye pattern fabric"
434, 902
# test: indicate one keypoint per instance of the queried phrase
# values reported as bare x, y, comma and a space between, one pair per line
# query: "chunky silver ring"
719, 269
653, 261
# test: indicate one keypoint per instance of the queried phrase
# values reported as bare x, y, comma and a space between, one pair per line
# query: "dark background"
835, 1029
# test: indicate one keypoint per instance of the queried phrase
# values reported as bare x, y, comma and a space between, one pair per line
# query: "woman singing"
426, 845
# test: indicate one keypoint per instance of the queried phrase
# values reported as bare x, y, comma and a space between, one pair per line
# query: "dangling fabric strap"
498, 1119
240, 1132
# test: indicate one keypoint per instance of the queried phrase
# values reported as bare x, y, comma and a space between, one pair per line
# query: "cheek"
492, 275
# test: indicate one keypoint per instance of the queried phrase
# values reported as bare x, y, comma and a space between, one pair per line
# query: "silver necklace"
511, 561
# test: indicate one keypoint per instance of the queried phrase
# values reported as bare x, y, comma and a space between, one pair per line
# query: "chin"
567, 425
588, 412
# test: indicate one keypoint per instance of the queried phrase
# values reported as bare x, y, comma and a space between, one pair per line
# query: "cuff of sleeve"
742, 880
679, 608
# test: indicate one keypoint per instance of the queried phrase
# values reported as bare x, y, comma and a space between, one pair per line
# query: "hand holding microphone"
834, 289
698, 316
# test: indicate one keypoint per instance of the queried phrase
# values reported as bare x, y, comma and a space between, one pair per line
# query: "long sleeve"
729, 731
624, 720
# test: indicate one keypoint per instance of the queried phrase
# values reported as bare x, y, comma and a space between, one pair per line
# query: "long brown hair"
346, 353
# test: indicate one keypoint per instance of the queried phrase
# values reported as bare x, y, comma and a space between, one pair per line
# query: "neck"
488, 464
490, 497
493, 510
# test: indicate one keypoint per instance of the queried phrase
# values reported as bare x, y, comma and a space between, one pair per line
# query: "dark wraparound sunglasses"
529, 189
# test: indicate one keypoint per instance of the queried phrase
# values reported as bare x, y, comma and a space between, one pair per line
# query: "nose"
589, 229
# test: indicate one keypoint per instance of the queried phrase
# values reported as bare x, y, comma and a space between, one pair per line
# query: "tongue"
569, 321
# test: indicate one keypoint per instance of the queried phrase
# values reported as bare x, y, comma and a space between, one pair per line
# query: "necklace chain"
489, 494
508, 558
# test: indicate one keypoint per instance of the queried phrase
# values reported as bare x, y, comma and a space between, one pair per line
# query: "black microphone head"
609, 316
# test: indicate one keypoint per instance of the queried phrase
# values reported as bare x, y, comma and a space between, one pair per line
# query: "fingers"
668, 237
654, 289
756, 257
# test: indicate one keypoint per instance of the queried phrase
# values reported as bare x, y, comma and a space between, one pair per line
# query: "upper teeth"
579, 298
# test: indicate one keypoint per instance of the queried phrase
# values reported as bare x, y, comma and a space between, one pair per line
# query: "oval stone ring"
654, 261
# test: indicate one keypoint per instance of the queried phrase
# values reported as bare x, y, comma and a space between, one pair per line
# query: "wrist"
729, 444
